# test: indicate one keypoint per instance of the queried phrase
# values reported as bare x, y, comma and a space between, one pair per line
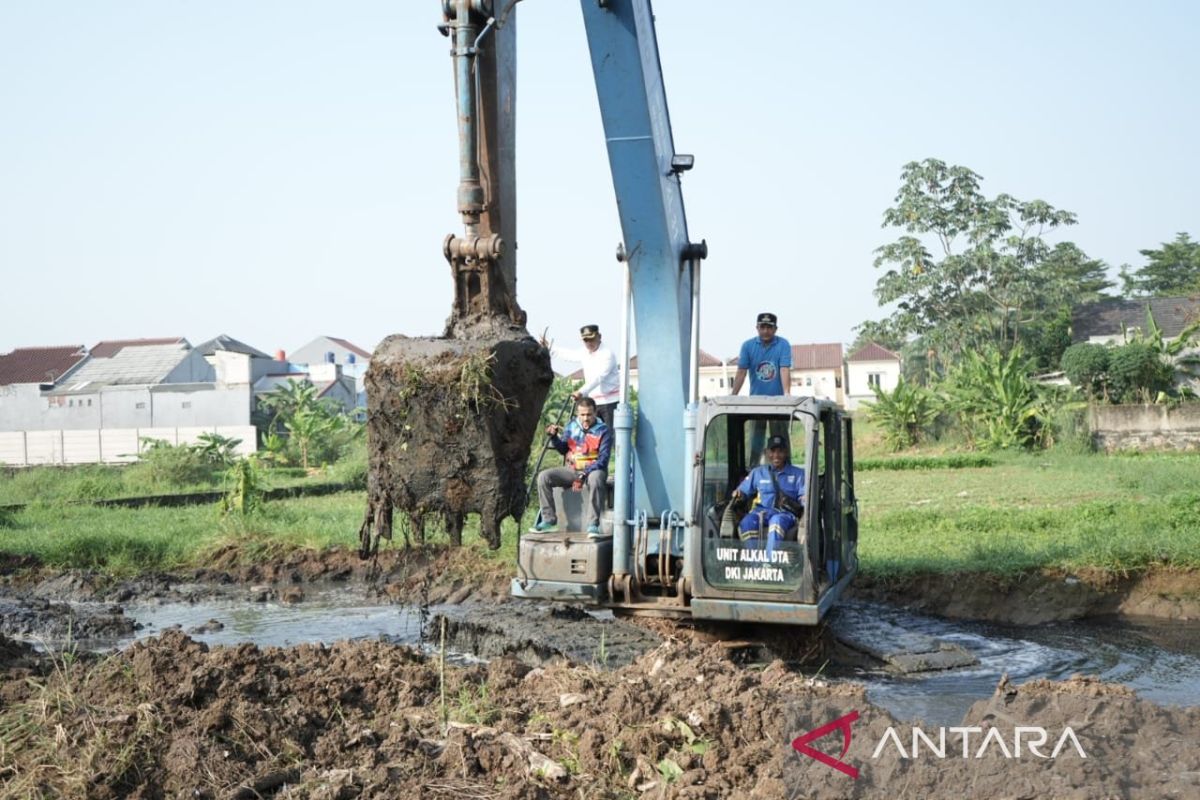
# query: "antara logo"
1033, 737
800, 744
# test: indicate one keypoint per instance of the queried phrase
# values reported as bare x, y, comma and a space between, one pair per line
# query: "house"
870, 365
1116, 320
352, 359
123, 391
24, 374
817, 371
328, 379
715, 376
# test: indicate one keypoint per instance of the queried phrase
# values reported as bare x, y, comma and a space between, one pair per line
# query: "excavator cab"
697, 564
754, 578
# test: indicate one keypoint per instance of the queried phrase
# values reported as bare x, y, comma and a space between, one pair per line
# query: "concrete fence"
104, 445
1156, 427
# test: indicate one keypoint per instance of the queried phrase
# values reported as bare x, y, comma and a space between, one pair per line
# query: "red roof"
353, 348
110, 348
873, 352
39, 364
817, 356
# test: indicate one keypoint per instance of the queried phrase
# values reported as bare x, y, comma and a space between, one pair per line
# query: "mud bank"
1039, 597
171, 717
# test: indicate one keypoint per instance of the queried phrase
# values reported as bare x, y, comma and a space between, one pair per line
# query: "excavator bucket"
449, 426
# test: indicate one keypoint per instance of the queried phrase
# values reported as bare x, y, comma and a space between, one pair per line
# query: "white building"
124, 391
871, 365
352, 359
715, 378
817, 371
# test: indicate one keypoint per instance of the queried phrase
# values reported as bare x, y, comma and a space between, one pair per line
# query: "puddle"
1158, 659
273, 624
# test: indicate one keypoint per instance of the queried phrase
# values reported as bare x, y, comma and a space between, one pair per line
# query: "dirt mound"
170, 717
1035, 597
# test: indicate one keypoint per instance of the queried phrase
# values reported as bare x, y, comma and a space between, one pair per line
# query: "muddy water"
324, 617
1159, 659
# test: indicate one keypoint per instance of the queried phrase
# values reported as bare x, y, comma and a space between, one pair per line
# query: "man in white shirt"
601, 380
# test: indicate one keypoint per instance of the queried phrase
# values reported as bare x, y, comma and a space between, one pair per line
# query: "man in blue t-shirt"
768, 359
768, 523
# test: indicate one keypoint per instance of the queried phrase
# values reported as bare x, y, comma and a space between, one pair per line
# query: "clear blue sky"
279, 170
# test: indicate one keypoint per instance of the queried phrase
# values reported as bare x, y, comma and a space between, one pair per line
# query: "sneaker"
544, 527
593, 531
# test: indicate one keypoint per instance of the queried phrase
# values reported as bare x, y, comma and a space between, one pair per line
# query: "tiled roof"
39, 364
132, 365
817, 356
1106, 317
110, 348
873, 352
353, 348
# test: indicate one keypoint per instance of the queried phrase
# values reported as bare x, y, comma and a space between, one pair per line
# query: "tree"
881, 333
1173, 268
314, 427
904, 414
988, 280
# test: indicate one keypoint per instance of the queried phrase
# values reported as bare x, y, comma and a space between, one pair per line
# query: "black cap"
767, 318
589, 332
777, 441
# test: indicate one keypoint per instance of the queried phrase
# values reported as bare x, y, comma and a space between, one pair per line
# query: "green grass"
1030, 511
127, 541
952, 461
51, 485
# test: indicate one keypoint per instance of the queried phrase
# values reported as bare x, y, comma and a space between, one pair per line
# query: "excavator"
668, 544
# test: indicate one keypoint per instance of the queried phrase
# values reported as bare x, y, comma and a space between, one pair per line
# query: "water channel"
1159, 659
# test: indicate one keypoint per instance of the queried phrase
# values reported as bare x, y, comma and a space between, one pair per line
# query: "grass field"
1027, 511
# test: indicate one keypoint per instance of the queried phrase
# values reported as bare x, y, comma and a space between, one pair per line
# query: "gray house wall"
21, 407
181, 405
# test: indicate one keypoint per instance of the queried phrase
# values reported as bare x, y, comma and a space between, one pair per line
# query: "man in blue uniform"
768, 522
768, 360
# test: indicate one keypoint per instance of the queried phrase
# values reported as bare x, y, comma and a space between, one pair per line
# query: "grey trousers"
594, 488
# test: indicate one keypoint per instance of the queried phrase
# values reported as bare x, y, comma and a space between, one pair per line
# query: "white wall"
107, 445
820, 383
857, 388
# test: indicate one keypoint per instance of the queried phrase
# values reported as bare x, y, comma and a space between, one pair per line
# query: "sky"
276, 170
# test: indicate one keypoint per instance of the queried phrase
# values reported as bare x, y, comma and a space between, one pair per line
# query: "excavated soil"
660, 710
170, 717
1037, 597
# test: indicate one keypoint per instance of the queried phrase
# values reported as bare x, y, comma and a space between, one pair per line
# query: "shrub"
957, 461
1136, 372
164, 466
904, 414
999, 405
1086, 365
351, 468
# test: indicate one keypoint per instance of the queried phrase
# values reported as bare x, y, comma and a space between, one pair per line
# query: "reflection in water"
1159, 660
